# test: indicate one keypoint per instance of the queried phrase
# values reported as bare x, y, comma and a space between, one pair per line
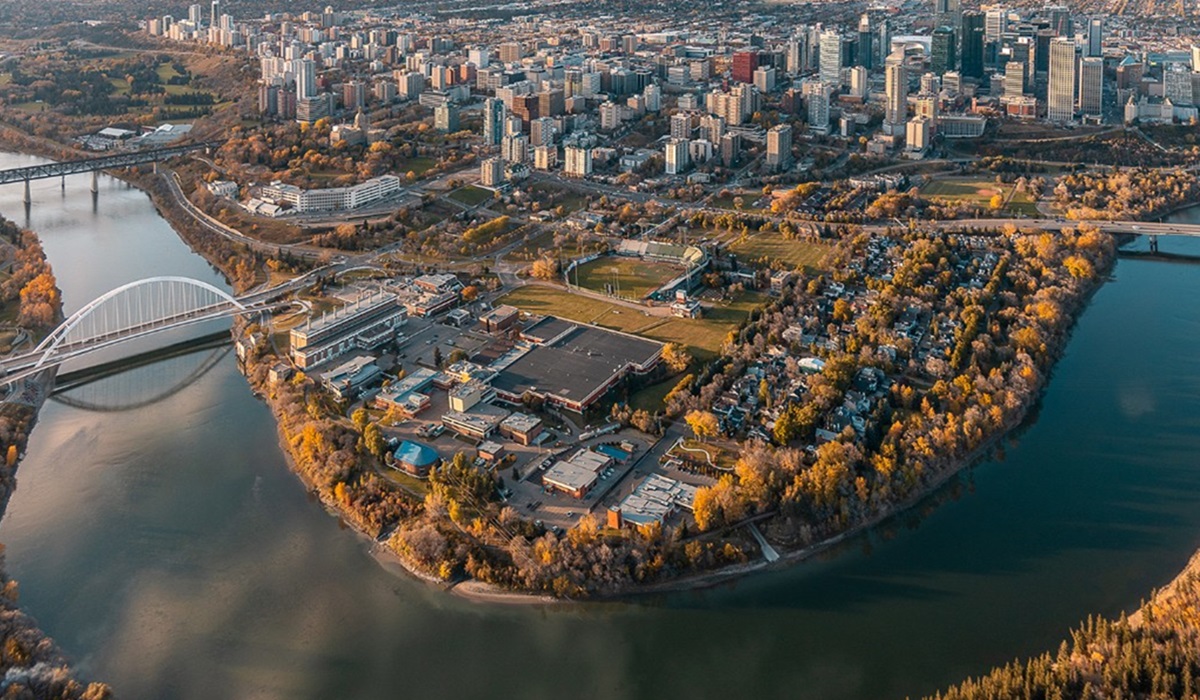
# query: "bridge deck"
85, 165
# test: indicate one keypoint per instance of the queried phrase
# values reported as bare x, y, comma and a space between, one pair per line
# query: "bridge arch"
139, 307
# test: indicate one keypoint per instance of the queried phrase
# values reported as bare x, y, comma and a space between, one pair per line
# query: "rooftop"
655, 498
579, 363
571, 477
416, 453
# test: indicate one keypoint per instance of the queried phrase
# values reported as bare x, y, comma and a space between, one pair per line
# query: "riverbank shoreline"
481, 591
18, 629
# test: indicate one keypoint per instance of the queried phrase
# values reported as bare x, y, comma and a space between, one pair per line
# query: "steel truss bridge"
87, 165
135, 310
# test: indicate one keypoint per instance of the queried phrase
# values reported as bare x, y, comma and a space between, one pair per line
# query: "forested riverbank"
1153, 653
30, 304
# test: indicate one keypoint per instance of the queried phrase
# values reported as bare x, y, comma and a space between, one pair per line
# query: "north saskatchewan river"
159, 537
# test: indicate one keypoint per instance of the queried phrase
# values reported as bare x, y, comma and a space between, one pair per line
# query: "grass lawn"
182, 90
651, 397
975, 190
726, 202
534, 245
693, 450
418, 165
5, 79
979, 191
406, 481
632, 277
471, 195
794, 254
120, 84
537, 299
1022, 203
569, 200
702, 336
166, 71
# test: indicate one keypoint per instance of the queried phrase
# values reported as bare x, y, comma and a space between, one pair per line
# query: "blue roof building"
416, 458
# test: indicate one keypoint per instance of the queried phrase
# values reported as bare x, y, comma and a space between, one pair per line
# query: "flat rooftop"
576, 365
571, 477
656, 498
547, 329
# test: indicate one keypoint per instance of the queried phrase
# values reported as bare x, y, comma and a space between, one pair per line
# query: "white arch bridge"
135, 310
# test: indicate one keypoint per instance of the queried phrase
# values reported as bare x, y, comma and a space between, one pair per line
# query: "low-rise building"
366, 324
351, 377
578, 475
653, 501
499, 319
573, 366
331, 199
521, 428
490, 451
407, 395
464, 397
478, 423
416, 458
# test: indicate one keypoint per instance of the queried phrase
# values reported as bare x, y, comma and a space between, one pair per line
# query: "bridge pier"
28, 198
95, 181
1154, 244
64, 183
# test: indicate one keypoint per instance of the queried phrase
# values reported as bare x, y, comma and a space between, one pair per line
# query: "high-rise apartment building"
779, 147
744, 65
942, 50
995, 23
1060, 93
493, 121
972, 44
895, 96
831, 57
1095, 36
1091, 87
866, 41
676, 154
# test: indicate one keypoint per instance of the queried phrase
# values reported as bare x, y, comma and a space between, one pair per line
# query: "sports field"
629, 278
702, 336
979, 192
795, 255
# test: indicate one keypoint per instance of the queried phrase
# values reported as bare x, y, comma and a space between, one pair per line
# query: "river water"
159, 537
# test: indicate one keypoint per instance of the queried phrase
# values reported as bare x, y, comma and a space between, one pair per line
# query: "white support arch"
51, 343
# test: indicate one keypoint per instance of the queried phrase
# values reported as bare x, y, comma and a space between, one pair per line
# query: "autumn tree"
545, 268
704, 424
676, 357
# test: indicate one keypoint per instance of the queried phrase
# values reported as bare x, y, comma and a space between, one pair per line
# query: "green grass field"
539, 243
703, 336
651, 397
794, 254
166, 71
419, 165
569, 200
471, 195
974, 190
979, 192
1022, 203
120, 85
632, 277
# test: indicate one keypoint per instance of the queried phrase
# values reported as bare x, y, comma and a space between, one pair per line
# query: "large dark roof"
547, 329
576, 365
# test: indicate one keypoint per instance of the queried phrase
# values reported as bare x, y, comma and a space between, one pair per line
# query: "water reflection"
170, 551
140, 383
